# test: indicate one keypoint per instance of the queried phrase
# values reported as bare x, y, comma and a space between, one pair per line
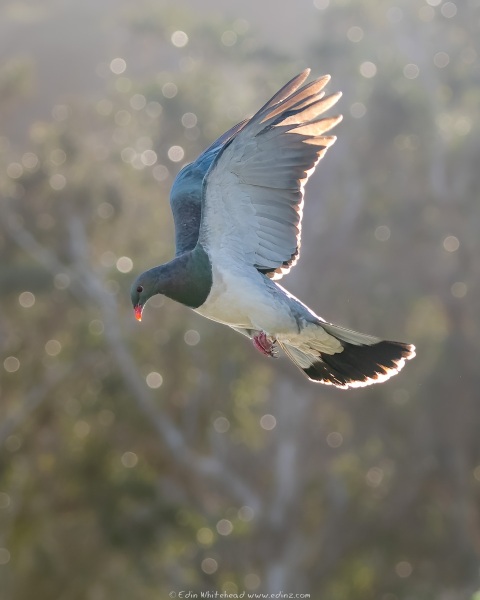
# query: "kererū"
238, 212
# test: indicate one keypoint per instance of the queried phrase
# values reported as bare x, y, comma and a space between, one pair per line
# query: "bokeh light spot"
11, 364
128, 154
108, 258
138, 101
209, 566
129, 460
58, 156
14, 170
229, 38
124, 264
246, 513
53, 347
382, 233
13, 443
221, 424
160, 172
368, 69
374, 476
96, 327
358, 110
355, 34
191, 337
154, 380
268, 422
26, 299
403, 569
157, 301
451, 243
118, 66
189, 120
169, 90
205, 536
252, 581
224, 527
57, 182
179, 39
411, 71
154, 109
61, 281
449, 10
148, 157
30, 160
441, 59
176, 153
334, 439
105, 210
81, 429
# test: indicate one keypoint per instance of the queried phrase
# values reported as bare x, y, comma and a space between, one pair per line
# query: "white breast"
241, 298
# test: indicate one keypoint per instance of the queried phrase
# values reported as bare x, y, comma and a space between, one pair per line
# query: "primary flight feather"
238, 214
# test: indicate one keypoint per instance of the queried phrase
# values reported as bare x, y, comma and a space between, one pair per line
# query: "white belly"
245, 301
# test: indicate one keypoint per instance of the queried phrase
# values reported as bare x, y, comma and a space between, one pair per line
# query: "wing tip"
324, 78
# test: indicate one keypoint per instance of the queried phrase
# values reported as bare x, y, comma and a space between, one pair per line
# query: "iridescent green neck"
186, 279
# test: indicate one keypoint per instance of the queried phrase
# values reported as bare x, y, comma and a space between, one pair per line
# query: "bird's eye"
139, 289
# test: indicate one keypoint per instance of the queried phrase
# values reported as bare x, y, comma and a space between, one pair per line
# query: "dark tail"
363, 361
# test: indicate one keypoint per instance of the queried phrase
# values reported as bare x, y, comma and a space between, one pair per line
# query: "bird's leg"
266, 345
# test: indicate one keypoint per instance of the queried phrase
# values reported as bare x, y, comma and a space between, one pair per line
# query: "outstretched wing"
186, 194
253, 191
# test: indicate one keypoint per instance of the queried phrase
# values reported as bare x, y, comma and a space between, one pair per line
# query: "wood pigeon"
238, 212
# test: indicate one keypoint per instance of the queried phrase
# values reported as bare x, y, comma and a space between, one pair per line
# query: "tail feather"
363, 360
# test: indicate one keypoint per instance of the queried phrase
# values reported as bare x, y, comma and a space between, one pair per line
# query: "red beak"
138, 312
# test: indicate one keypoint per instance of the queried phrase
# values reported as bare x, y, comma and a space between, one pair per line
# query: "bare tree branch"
85, 283
33, 400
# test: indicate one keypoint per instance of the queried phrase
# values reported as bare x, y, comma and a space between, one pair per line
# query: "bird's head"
142, 290
185, 279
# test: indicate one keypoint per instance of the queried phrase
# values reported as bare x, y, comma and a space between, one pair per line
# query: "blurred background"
142, 459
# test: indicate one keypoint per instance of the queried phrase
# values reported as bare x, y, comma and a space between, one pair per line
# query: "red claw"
265, 344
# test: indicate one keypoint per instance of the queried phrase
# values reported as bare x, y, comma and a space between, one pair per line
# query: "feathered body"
238, 212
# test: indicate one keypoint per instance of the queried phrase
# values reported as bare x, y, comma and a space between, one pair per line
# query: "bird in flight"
238, 212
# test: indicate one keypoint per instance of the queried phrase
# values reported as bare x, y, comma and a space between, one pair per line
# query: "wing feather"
186, 193
253, 192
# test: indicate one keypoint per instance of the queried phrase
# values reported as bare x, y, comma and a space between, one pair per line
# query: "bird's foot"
265, 344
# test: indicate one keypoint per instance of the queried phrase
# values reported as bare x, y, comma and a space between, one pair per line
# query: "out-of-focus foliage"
140, 459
